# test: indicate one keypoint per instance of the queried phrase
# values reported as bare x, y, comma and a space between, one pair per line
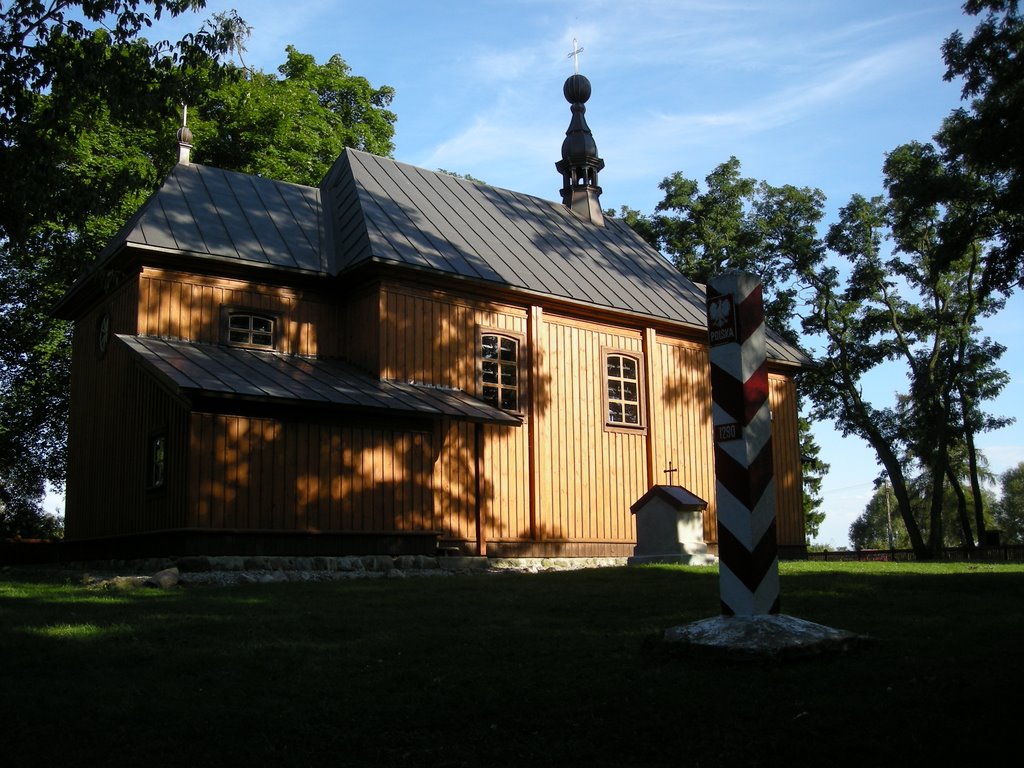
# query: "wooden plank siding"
116, 408
789, 508
562, 483
681, 417
262, 473
186, 306
429, 337
592, 475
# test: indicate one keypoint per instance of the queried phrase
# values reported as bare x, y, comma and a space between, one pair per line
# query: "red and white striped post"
745, 487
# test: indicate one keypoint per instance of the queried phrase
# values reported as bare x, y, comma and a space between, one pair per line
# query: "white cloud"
488, 149
1003, 457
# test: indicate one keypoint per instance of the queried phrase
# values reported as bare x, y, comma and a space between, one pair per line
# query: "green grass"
510, 670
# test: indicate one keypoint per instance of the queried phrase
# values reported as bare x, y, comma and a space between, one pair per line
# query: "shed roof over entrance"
210, 370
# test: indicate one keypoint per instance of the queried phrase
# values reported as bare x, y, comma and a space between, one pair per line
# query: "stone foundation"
223, 570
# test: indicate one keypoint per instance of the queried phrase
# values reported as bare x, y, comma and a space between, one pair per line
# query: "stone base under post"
690, 553
764, 636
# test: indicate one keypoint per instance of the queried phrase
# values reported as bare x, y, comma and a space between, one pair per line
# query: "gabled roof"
234, 373
371, 209
208, 212
676, 496
386, 211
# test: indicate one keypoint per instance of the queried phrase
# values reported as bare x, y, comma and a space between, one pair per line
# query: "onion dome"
580, 164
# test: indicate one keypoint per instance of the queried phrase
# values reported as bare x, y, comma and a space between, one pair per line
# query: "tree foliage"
986, 134
292, 127
814, 472
1009, 510
879, 525
917, 305
871, 529
736, 223
88, 122
34, 33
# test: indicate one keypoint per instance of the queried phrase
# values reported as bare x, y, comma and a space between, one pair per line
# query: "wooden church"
397, 361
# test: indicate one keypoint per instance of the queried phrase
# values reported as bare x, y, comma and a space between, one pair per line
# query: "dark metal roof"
205, 211
387, 211
676, 495
211, 370
373, 209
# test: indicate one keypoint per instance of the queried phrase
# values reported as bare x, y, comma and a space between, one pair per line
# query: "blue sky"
804, 92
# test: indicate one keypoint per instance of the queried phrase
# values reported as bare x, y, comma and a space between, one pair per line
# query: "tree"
80, 158
939, 217
848, 324
464, 176
736, 223
293, 127
814, 471
877, 527
871, 530
32, 31
918, 306
1009, 511
987, 135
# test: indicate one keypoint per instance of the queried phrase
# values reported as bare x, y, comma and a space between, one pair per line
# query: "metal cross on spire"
577, 49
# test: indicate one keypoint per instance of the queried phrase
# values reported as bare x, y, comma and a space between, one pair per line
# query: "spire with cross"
580, 164
577, 49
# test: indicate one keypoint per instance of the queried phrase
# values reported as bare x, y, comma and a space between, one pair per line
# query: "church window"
500, 376
624, 388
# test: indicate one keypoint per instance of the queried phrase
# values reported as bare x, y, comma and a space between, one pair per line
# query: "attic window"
250, 330
500, 379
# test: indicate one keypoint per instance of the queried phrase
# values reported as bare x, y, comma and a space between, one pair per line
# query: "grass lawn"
507, 670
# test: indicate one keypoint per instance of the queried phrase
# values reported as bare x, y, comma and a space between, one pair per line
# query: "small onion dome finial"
579, 145
184, 136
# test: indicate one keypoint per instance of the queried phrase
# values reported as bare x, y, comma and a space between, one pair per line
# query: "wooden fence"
1011, 553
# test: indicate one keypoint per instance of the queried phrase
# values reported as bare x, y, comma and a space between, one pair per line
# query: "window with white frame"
623, 390
250, 329
499, 370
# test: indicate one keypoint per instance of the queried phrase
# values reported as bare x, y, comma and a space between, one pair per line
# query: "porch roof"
210, 370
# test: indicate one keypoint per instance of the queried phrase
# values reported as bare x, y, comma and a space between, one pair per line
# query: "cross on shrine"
577, 49
669, 471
